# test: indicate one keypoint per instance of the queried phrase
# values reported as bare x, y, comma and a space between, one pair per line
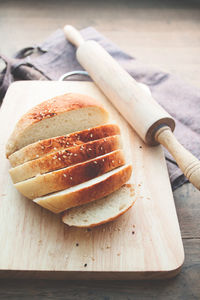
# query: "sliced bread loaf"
70, 176
44, 147
58, 116
91, 190
101, 211
64, 158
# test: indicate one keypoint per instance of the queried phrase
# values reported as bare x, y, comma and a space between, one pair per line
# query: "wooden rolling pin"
152, 123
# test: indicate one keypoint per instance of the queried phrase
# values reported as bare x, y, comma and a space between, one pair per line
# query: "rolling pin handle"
187, 162
73, 35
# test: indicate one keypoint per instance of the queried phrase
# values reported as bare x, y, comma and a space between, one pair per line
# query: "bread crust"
62, 202
44, 147
107, 220
65, 158
48, 109
132, 193
68, 177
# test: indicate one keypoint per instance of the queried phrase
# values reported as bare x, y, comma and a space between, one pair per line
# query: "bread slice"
86, 192
101, 211
65, 158
44, 147
58, 116
70, 176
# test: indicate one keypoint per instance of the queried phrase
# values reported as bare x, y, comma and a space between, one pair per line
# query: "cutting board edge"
89, 275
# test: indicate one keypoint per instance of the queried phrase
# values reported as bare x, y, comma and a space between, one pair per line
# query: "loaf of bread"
68, 160
58, 116
47, 146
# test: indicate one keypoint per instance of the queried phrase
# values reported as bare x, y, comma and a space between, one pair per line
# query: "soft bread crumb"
101, 211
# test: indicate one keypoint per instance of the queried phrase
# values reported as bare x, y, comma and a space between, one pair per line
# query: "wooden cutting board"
34, 243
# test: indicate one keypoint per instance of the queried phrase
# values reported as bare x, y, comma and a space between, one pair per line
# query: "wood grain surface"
165, 34
185, 286
144, 243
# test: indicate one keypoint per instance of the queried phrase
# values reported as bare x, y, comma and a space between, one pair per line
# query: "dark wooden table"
165, 35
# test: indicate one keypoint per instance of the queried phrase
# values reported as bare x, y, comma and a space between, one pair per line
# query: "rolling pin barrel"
152, 123
124, 92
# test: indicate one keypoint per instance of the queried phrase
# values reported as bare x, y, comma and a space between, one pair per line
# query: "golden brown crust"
55, 106
71, 176
41, 148
65, 158
51, 145
99, 190
48, 109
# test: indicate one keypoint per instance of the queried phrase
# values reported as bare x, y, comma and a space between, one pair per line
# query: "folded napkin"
56, 56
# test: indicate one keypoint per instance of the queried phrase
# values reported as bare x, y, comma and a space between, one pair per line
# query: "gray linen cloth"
56, 56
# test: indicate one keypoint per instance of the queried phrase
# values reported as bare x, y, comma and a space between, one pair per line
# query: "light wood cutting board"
34, 243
